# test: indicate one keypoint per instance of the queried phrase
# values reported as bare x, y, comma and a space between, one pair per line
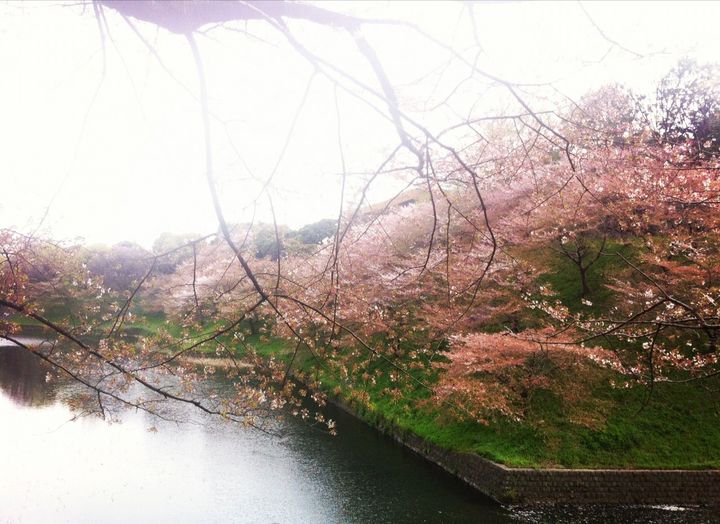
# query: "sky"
102, 140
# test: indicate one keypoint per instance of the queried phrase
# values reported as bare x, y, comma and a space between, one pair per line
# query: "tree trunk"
583, 280
254, 323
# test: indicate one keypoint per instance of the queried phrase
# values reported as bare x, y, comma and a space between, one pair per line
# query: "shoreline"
508, 485
538, 486
543, 486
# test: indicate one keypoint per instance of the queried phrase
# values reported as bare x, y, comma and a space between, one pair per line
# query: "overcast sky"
107, 146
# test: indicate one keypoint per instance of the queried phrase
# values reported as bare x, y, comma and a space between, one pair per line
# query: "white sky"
120, 156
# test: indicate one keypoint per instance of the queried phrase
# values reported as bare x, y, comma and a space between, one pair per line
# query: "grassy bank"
677, 426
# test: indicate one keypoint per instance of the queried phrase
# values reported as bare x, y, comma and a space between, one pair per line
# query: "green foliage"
120, 266
272, 244
168, 242
267, 242
316, 232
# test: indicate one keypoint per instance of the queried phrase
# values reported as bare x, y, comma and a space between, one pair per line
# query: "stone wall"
574, 486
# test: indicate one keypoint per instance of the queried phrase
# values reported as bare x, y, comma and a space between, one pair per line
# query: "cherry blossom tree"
418, 287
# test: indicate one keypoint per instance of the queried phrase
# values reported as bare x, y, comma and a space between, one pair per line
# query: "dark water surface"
53, 470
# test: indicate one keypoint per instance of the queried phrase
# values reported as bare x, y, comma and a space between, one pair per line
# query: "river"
56, 470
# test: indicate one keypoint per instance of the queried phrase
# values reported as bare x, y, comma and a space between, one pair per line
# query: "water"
56, 470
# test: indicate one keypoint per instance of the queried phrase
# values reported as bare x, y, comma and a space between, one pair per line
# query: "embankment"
556, 485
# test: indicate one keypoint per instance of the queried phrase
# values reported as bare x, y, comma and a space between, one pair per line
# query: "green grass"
564, 276
676, 428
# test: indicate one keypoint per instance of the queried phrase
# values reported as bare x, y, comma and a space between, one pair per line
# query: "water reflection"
54, 470
22, 378
88, 471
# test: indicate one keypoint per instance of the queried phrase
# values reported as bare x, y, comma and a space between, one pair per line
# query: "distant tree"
120, 266
687, 108
178, 245
268, 242
583, 251
316, 232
